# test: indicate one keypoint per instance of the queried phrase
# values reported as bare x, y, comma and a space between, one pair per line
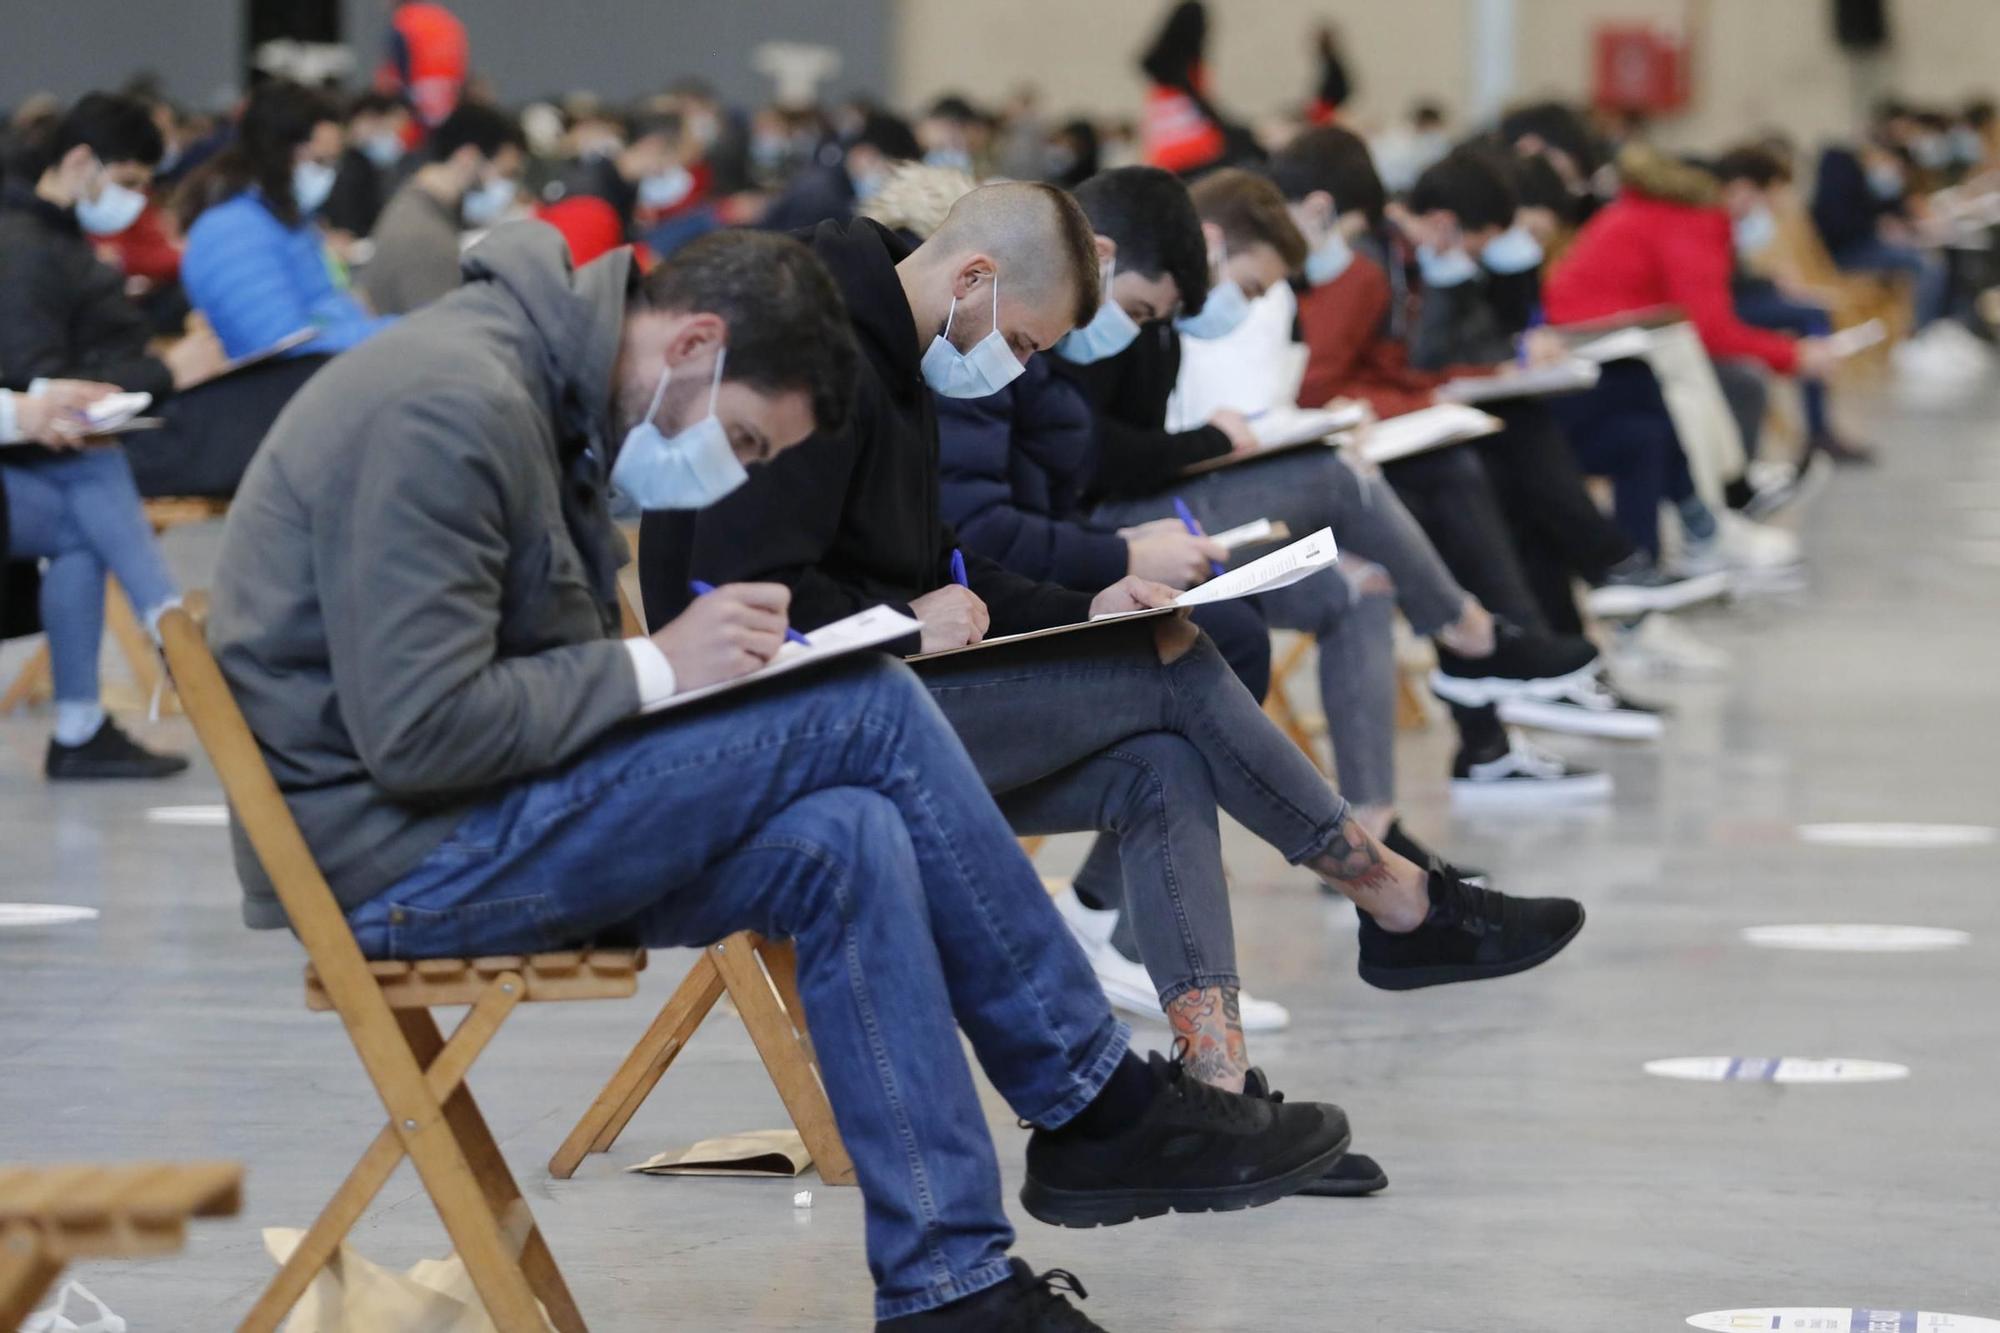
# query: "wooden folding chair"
53, 1215
420, 1075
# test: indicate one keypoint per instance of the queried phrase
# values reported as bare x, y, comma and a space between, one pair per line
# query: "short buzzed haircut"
788, 327
1250, 210
1036, 233
1148, 213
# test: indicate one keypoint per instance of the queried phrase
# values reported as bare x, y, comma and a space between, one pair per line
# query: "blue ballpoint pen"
791, 635
958, 568
1187, 517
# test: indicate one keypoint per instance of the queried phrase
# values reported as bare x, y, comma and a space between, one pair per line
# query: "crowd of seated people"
999, 373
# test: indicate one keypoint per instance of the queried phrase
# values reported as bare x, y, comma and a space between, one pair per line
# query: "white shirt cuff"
7, 424
655, 673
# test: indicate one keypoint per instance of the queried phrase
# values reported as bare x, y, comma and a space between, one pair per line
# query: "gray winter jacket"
416, 599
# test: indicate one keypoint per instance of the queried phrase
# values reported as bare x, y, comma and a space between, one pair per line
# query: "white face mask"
667, 188
980, 373
691, 469
384, 150
1109, 332
1329, 259
115, 208
312, 182
1225, 308
1514, 250
484, 204
1449, 268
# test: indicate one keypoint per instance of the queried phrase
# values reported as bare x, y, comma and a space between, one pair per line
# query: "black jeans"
213, 430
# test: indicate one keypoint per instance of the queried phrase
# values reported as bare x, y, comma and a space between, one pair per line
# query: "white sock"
153, 616
77, 722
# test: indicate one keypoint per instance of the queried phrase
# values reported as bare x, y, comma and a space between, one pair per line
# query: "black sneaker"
1197, 1149
1398, 840
1523, 775
1627, 593
1521, 663
1024, 1303
1354, 1175
1589, 708
1471, 935
108, 754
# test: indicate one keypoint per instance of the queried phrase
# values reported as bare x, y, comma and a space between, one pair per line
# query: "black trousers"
213, 430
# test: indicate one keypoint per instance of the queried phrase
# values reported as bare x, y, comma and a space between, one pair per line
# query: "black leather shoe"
1354, 1175
108, 754
1197, 1149
1471, 934
1024, 1303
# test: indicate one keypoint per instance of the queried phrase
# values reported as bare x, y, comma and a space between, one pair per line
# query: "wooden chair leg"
784, 1055
503, 1194
134, 644
34, 682
781, 961
26, 1274
1411, 712
636, 1077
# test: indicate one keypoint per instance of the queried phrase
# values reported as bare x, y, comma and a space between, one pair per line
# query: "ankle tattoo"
1210, 1021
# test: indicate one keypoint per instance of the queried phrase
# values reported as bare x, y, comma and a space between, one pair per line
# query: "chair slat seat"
130, 1209
588, 974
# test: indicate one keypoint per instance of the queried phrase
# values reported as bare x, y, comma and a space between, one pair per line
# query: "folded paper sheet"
357, 1295
775, 1153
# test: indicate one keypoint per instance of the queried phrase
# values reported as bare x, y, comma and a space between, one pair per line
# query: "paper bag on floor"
356, 1295
777, 1153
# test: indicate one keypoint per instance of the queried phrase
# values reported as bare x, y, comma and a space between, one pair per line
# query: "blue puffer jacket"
257, 280
1015, 466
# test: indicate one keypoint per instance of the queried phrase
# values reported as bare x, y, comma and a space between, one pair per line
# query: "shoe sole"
1612, 601
1533, 791
1416, 978
1096, 1208
1547, 716
1482, 691
1347, 1189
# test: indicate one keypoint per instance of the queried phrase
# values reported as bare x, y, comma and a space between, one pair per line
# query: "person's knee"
1153, 767
860, 844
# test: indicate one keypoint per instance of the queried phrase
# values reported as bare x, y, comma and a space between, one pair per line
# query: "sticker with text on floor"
190, 816
23, 916
1775, 1069
1839, 1319
1899, 835
1856, 937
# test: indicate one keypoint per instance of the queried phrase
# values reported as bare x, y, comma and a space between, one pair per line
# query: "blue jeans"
1933, 279
79, 511
1094, 731
1620, 429
843, 815
1761, 304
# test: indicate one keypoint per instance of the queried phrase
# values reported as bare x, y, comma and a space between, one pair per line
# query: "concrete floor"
1541, 1179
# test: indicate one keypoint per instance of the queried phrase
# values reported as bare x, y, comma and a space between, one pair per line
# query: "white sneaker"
1944, 353
1658, 646
1125, 982
1589, 708
1740, 546
1526, 775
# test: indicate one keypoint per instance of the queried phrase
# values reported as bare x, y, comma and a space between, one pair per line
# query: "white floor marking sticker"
1856, 938
1775, 1069
1840, 1319
21, 916
190, 816
1899, 835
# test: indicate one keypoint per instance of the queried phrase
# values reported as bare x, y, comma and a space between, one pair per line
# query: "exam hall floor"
1541, 1180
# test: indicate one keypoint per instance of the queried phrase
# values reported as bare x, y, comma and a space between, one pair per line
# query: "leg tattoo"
1379, 882
1210, 1021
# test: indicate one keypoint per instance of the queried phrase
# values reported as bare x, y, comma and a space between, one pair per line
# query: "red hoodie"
1348, 357
1640, 251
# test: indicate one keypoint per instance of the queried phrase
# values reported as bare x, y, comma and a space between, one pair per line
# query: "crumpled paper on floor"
356, 1295
774, 1153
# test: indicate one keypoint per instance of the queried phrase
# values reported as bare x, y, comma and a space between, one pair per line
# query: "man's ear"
1107, 250
698, 335
1211, 236
974, 272
74, 161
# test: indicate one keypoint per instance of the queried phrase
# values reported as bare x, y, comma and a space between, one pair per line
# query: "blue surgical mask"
1225, 308
1932, 150
1329, 259
691, 469
484, 205
115, 208
980, 373
1755, 231
384, 150
1109, 332
1514, 250
1886, 181
951, 159
312, 182
667, 188
1967, 147
1450, 269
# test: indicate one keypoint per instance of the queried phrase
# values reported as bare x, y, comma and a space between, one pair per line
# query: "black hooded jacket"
848, 519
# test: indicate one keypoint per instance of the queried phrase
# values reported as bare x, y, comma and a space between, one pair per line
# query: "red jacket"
1641, 251
1346, 354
